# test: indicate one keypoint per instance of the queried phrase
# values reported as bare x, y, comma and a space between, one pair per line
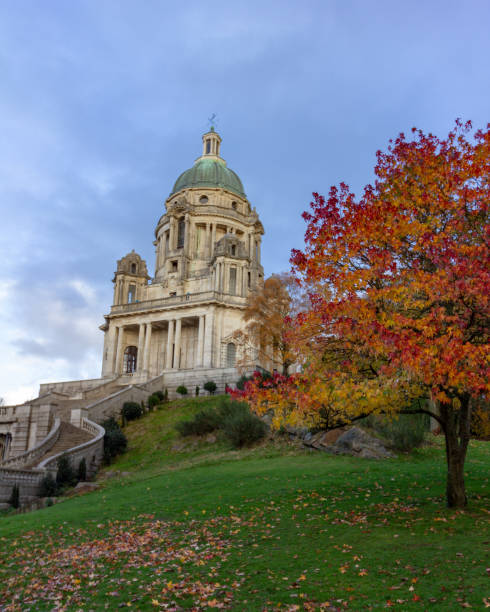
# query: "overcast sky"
103, 104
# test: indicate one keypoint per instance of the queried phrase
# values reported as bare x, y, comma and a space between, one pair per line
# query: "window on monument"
208, 146
232, 282
130, 358
230, 355
133, 268
234, 205
233, 249
181, 233
249, 280
175, 266
167, 241
131, 294
203, 199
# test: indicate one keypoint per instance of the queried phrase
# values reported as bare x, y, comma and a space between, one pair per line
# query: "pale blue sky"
103, 103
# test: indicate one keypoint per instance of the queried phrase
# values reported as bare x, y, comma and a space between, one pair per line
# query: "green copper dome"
209, 172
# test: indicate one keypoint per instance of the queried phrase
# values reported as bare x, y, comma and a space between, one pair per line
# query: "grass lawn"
195, 525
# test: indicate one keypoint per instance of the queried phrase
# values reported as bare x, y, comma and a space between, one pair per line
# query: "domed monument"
177, 328
207, 246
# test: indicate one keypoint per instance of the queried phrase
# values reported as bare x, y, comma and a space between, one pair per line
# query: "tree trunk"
457, 431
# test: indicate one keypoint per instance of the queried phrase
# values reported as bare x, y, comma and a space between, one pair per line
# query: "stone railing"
28, 482
111, 405
31, 456
72, 386
175, 300
7, 412
92, 451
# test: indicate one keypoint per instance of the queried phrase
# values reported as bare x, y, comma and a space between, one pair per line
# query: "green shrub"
65, 476
115, 442
239, 425
404, 432
204, 422
82, 470
14, 500
244, 428
153, 401
181, 390
48, 486
210, 387
197, 391
131, 411
160, 395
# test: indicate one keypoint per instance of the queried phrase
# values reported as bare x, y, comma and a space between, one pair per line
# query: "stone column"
213, 237
200, 340
178, 328
187, 236
258, 250
208, 240
141, 346
146, 361
117, 362
170, 341
250, 246
208, 339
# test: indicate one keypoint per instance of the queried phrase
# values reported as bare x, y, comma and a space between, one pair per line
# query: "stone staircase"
70, 436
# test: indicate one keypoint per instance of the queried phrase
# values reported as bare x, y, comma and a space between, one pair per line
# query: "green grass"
194, 525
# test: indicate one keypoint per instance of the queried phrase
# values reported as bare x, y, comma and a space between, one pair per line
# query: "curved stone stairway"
70, 436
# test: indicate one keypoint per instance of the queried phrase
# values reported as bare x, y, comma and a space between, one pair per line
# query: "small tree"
65, 476
181, 390
153, 401
15, 497
82, 470
48, 486
210, 387
115, 442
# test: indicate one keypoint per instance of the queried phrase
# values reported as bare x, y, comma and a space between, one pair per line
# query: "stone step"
70, 436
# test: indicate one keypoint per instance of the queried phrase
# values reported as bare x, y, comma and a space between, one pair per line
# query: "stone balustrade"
30, 456
92, 451
172, 301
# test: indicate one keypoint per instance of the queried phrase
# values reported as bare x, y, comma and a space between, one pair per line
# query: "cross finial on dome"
212, 122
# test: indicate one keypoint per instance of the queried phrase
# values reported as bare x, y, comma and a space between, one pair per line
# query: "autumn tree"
266, 318
399, 319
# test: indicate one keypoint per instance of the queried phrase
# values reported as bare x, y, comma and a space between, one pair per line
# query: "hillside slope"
194, 525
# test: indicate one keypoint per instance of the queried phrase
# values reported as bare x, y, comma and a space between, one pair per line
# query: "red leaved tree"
401, 308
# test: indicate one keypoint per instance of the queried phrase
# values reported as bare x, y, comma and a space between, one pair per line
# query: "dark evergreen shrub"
153, 401
210, 387
197, 391
82, 470
243, 429
65, 476
14, 500
131, 411
115, 442
181, 390
48, 486
160, 395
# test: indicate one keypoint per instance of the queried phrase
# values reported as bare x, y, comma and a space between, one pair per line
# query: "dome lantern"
211, 142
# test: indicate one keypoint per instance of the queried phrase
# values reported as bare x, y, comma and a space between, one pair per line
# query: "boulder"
358, 443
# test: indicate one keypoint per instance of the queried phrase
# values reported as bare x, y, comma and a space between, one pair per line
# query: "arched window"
230, 355
181, 233
208, 146
133, 268
130, 359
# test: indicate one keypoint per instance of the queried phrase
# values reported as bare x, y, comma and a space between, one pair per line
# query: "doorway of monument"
130, 359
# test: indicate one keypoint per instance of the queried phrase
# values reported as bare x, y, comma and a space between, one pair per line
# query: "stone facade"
208, 250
